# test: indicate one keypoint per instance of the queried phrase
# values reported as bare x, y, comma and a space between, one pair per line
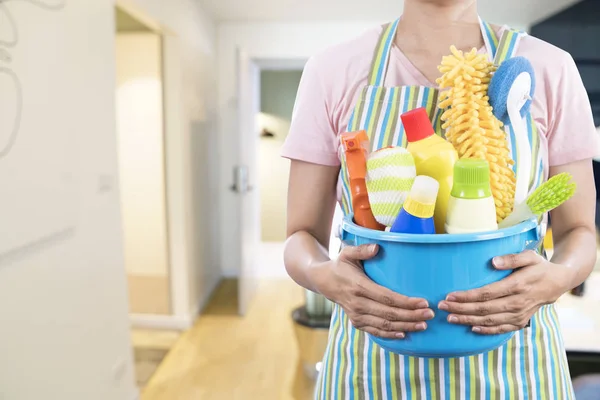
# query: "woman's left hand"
509, 304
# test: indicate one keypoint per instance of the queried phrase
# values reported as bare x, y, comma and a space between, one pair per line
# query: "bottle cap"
355, 140
421, 200
417, 125
471, 179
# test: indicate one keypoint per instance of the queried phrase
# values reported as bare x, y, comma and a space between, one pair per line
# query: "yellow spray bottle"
434, 157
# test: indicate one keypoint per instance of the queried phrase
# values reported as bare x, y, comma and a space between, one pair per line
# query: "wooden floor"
226, 357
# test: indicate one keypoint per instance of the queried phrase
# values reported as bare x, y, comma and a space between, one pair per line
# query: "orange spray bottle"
356, 163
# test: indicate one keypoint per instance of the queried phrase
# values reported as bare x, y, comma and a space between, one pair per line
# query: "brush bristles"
471, 125
552, 193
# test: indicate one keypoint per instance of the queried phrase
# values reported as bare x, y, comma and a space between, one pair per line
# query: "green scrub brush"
553, 193
391, 172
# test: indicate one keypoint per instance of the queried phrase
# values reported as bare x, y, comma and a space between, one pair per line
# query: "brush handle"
523, 156
356, 163
521, 213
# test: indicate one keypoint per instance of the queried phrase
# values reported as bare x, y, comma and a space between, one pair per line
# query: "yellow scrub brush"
551, 194
470, 124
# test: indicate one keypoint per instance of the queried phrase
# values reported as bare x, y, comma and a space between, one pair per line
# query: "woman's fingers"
491, 292
368, 289
373, 308
497, 306
383, 334
493, 320
365, 287
370, 307
358, 253
495, 330
514, 284
513, 261
386, 321
366, 322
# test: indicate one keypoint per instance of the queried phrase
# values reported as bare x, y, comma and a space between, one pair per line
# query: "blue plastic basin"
431, 267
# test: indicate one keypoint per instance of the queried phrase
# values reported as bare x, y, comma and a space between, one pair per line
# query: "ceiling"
519, 13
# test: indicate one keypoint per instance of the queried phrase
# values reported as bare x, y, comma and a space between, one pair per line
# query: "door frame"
257, 65
177, 193
246, 187
266, 64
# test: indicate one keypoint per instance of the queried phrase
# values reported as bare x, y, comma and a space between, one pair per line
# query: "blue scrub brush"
510, 91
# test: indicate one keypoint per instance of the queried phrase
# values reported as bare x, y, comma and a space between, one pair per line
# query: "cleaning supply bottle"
434, 157
356, 164
471, 207
417, 212
390, 175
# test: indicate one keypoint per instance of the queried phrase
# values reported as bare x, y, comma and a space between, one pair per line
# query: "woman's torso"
344, 71
530, 366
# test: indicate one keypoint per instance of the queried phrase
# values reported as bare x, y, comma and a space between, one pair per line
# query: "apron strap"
381, 57
508, 45
501, 49
490, 38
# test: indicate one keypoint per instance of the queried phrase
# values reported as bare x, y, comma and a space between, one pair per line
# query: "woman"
346, 88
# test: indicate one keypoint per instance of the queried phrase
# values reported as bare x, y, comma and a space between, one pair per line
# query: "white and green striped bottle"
390, 174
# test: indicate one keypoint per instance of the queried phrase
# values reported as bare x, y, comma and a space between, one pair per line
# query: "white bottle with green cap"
471, 207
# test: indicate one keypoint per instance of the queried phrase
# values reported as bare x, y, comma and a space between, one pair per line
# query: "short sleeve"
571, 134
312, 137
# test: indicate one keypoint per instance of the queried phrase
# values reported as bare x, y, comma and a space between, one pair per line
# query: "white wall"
63, 307
278, 94
191, 146
141, 153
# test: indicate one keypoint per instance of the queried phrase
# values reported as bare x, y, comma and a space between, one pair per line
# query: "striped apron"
532, 365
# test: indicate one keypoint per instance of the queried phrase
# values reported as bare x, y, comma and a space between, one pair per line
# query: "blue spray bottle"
417, 212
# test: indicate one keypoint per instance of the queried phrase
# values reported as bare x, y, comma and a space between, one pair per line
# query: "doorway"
277, 96
143, 191
140, 131
278, 89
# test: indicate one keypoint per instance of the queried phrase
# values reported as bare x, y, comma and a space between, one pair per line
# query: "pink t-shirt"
332, 82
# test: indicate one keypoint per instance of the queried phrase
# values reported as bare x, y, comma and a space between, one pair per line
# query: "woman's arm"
370, 307
508, 305
310, 209
573, 225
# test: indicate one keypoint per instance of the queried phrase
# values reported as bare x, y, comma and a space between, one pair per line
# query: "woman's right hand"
370, 307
